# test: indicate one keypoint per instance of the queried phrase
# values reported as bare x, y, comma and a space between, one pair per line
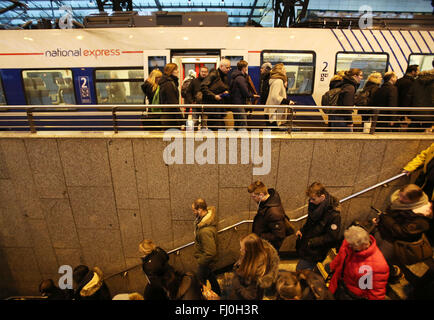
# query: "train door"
190, 62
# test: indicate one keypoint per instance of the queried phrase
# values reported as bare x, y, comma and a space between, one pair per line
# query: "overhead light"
185, 38
79, 37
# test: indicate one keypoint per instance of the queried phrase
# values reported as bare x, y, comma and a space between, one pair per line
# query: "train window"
2, 93
300, 68
119, 86
367, 62
48, 87
424, 61
156, 62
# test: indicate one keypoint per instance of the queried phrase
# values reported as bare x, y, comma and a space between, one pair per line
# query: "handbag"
413, 252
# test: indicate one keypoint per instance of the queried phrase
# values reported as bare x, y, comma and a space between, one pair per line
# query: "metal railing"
176, 250
292, 118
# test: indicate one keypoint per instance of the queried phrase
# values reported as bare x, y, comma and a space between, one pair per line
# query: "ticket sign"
84, 89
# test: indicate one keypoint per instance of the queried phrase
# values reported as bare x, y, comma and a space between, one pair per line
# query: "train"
108, 65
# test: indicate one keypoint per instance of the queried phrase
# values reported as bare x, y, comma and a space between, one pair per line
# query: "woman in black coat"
169, 94
386, 96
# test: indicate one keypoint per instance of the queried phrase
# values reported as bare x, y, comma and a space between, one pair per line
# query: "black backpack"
184, 87
330, 98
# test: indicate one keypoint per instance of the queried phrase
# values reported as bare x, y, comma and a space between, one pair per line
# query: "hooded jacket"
254, 290
346, 96
422, 95
206, 238
354, 264
239, 88
321, 231
269, 222
93, 287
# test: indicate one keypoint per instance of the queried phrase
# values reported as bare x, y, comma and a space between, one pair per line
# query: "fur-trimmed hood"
208, 219
95, 281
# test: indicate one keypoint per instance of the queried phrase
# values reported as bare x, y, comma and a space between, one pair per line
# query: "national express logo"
63, 53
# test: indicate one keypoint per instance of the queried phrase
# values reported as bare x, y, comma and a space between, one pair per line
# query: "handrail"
292, 118
27, 297
292, 220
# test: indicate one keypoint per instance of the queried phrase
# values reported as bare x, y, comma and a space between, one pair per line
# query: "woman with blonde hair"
256, 269
277, 95
151, 84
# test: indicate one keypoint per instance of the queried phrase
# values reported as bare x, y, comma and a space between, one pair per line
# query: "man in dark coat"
240, 93
90, 284
215, 90
205, 242
404, 84
321, 231
269, 222
194, 94
386, 96
422, 95
264, 86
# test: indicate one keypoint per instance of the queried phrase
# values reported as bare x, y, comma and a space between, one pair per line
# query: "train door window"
367, 62
300, 68
424, 61
48, 87
119, 86
2, 93
156, 62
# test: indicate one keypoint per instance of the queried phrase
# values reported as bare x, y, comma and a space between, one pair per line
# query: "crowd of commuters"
414, 89
223, 87
370, 255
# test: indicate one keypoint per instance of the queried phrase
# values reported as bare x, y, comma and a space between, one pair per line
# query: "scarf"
316, 210
278, 75
397, 205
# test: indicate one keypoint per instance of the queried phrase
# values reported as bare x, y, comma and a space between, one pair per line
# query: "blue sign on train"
84, 89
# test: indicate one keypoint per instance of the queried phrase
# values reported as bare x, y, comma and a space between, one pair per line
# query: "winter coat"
193, 90
404, 84
264, 87
169, 94
422, 160
276, 95
353, 271
148, 91
422, 90
321, 231
216, 82
155, 263
254, 290
386, 96
346, 97
92, 287
269, 222
205, 244
404, 225
368, 91
239, 88
422, 95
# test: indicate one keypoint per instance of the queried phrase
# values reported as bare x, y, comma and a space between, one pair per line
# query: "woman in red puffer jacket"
360, 270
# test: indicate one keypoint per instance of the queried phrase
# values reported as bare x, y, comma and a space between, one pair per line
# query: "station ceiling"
239, 11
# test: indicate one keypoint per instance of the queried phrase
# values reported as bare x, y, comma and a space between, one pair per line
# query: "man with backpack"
185, 85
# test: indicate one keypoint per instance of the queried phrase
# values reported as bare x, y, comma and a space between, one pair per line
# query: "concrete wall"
91, 199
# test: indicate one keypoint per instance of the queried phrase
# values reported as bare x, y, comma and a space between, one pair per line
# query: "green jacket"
206, 238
